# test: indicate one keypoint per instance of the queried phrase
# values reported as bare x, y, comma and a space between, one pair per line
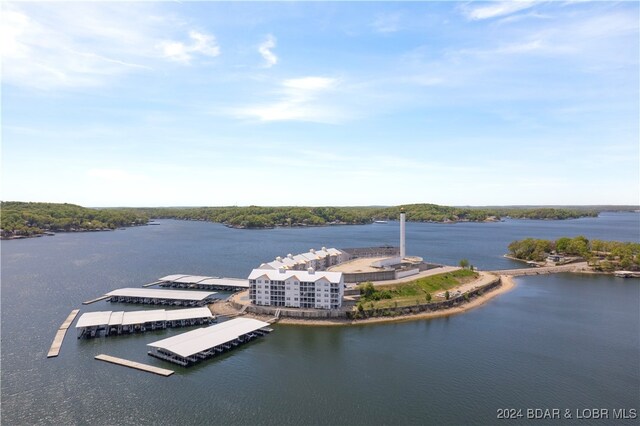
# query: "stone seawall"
426, 307
292, 312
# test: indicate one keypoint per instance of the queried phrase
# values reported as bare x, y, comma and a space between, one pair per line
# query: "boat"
379, 221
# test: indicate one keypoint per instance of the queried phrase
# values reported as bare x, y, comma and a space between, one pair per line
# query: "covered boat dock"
194, 346
204, 283
107, 323
161, 297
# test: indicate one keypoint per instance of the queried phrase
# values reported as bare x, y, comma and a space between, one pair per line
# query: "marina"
197, 345
203, 282
136, 365
161, 297
108, 323
62, 331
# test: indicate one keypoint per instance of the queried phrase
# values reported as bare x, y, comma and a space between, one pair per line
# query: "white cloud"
270, 59
388, 23
48, 46
495, 9
201, 43
299, 99
310, 84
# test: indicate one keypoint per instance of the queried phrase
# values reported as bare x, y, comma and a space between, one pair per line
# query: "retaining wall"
426, 307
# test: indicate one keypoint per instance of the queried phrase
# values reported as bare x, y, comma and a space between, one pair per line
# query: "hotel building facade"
296, 289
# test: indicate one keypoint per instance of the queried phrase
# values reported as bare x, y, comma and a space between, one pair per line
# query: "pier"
108, 323
194, 346
132, 364
161, 297
97, 299
204, 283
62, 331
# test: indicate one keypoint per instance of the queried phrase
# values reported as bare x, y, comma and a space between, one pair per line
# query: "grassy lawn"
413, 292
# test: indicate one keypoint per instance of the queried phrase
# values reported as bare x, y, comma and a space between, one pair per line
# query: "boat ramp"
108, 323
194, 346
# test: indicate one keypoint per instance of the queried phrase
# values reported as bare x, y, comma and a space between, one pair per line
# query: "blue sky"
455, 103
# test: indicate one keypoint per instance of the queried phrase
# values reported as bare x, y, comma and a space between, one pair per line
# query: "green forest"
28, 219
263, 217
602, 255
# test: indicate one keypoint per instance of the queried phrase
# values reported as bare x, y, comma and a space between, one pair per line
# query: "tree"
464, 263
447, 295
428, 297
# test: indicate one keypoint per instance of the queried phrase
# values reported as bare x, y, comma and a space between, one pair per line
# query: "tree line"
264, 217
28, 219
602, 255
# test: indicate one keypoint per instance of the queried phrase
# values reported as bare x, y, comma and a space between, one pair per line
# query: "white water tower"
402, 242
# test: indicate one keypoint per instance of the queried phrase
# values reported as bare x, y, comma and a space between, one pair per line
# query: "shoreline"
507, 284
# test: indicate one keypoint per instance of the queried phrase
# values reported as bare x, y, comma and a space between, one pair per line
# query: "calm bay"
563, 341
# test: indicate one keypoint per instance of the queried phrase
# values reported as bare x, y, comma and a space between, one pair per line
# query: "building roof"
192, 342
161, 294
276, 275
103, 318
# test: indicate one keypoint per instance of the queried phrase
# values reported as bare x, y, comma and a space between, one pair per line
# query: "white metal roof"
229, 282
140, 317
94, 319
116, 318
192, 342
276, 275
180, 314
190, 279
200, 279
153, 293
172, 277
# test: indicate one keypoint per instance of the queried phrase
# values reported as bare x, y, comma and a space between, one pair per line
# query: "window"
288, 298
295, 299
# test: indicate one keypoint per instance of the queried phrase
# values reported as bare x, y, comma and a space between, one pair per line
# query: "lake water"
555, 341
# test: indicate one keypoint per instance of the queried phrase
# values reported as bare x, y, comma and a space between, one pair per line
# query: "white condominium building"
319, 260
296, 289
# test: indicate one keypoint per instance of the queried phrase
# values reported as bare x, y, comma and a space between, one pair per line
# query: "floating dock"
204, 283
97, 299
62, 331
151, 284
161, 297
197, 345
133, 364
108, 323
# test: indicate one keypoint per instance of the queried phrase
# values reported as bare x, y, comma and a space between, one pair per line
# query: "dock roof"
200, 279
161, 294
103, 318
202, 339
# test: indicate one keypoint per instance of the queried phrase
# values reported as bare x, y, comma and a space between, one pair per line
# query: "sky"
351, 103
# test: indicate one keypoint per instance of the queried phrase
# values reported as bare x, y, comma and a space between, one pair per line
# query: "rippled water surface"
555, 341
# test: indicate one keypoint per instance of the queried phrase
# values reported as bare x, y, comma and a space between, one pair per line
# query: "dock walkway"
570, 267
62, 331
132, 364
